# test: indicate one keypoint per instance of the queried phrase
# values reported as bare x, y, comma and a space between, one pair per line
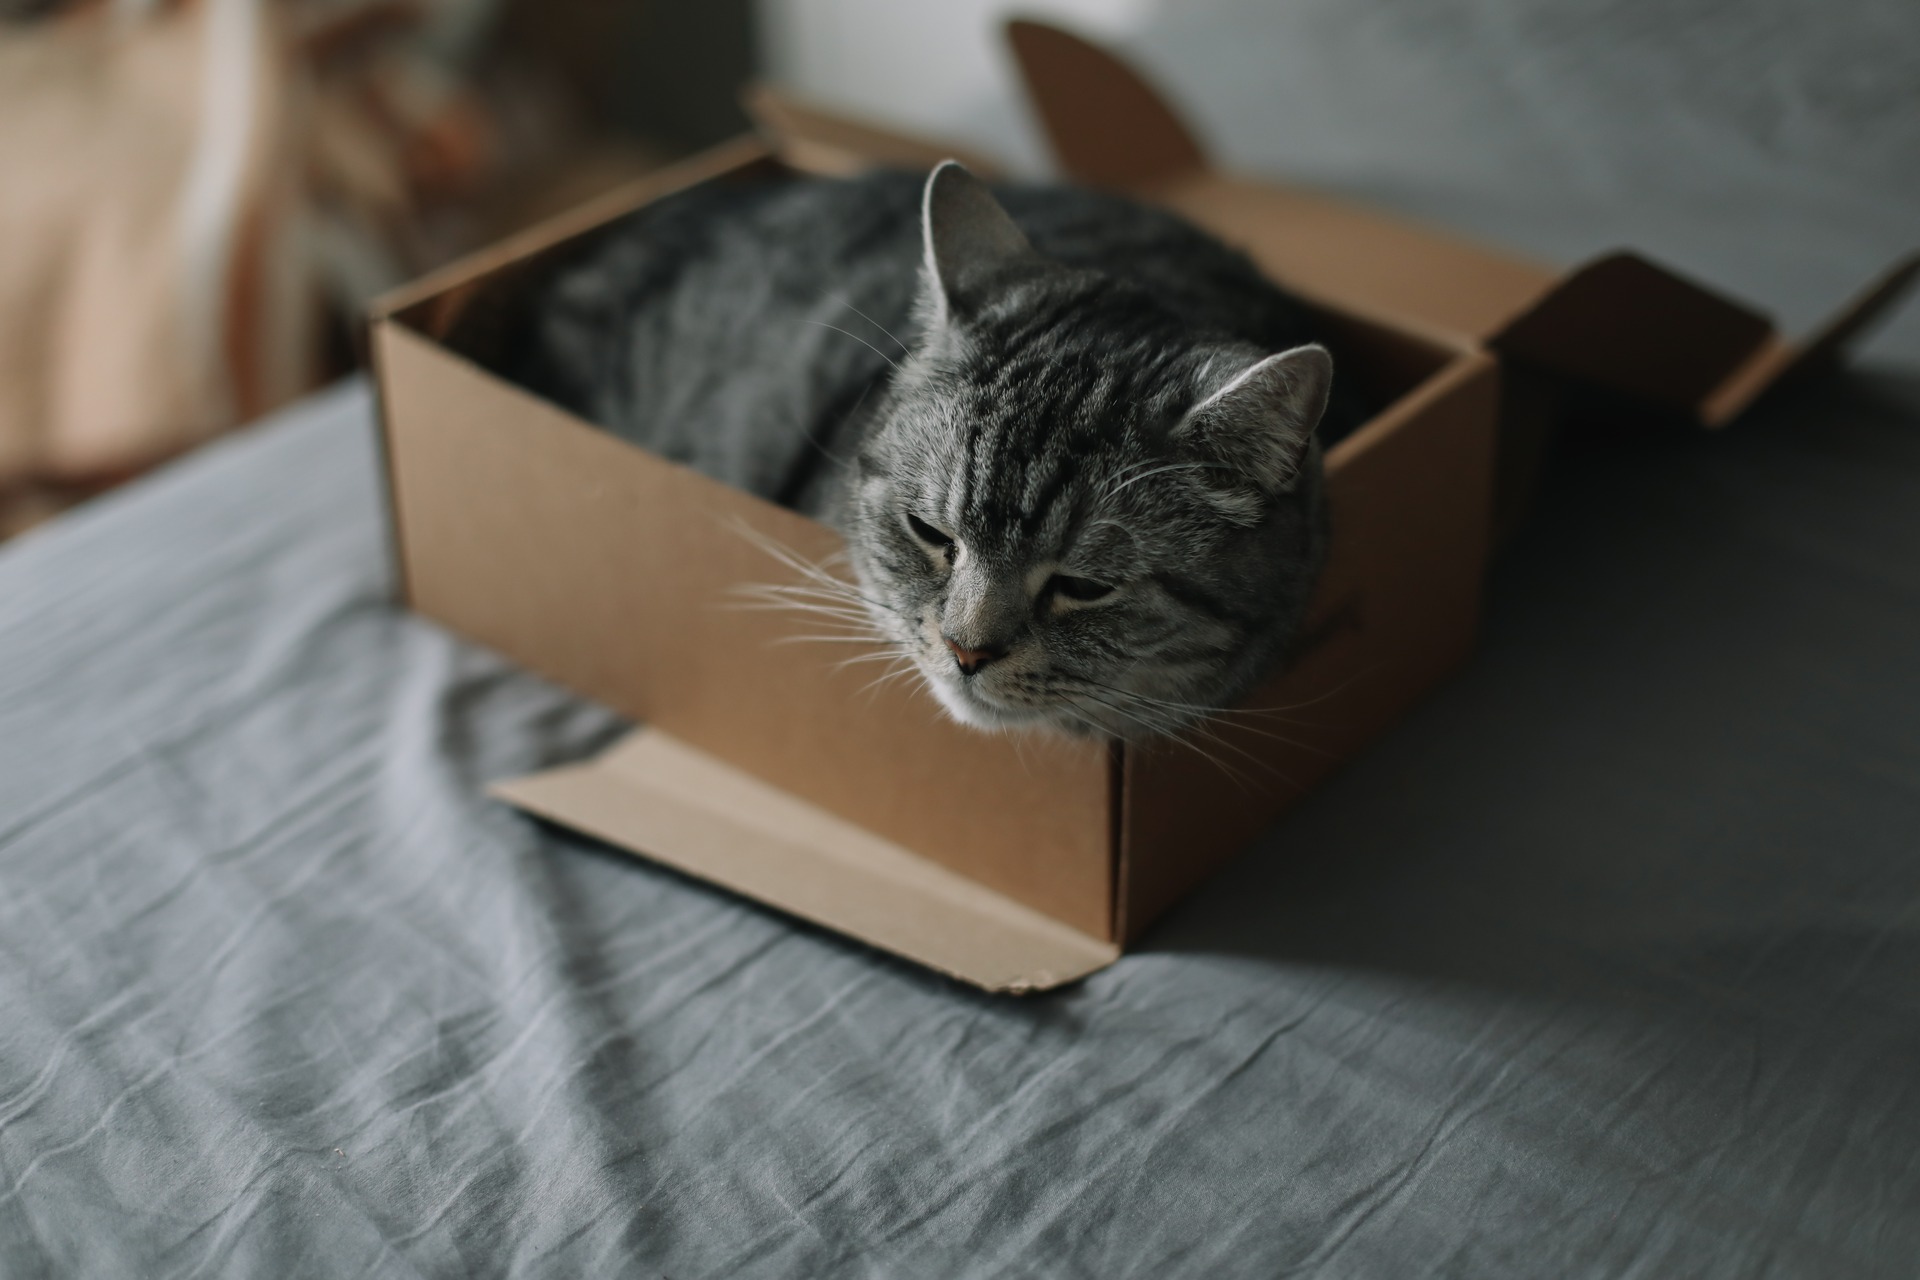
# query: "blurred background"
201, 196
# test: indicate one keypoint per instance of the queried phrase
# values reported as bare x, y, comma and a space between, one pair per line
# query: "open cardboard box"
1016, 863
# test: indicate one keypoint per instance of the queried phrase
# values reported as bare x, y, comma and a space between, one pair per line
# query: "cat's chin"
976, 712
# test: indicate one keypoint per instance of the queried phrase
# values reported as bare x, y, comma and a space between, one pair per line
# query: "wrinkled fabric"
1606, 962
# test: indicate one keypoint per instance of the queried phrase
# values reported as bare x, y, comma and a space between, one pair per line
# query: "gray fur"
1071, 442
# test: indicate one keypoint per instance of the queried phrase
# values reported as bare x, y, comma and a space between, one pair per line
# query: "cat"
1073, 443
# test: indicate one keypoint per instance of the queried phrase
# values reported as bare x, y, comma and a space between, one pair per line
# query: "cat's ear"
968, 238
1259, 421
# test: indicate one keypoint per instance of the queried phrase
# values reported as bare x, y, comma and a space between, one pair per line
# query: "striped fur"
1073, 450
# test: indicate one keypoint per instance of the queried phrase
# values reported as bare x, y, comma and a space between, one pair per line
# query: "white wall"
940, 67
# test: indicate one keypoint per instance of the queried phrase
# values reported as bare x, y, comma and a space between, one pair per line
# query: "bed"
1604, 963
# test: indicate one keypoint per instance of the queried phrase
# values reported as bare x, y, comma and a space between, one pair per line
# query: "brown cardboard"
705, 817
770, 767
1621, 323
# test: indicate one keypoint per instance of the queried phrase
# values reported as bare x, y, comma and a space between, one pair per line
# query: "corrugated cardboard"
653, 794
770, 767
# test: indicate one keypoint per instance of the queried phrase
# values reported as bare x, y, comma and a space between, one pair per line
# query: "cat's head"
1073, 511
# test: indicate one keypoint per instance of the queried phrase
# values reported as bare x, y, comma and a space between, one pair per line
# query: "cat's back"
722, 326
738, 327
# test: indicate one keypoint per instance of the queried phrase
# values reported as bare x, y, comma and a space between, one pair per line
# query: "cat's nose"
971, 660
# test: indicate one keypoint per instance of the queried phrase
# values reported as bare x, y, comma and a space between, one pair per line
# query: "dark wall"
667, 70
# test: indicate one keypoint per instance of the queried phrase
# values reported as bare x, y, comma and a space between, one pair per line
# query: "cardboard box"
1621, 325
1015, 863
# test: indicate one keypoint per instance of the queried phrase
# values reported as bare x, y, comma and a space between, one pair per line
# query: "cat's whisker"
813, 579
836, 459
781, 552
815, 607
873, 686
1133, 468
906, 667
811, 586
794, 599
1162, 732
830, 607
827, 587
1238, 726
1167, 733
813, 582
828, 615
826, 639
1118, 710
1337, 689
857, 338
1129, 480
889, 655
1213, 731
1207, 734
1196, 708
814, 573
848, 304
797, 592
855, 620
1020, 750
1165, 724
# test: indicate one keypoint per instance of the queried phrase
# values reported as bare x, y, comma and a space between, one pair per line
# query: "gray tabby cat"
1072, 450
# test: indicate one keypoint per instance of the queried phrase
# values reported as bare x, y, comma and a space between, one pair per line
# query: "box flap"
1621, 323
653, 795
1635, 328
825, 143
1632, 326
1108, 126
1819, 350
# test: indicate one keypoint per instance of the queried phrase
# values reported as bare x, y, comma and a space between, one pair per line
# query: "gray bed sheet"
1606, 963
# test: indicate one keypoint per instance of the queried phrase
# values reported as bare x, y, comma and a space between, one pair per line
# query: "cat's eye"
1084, 590
928, 534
